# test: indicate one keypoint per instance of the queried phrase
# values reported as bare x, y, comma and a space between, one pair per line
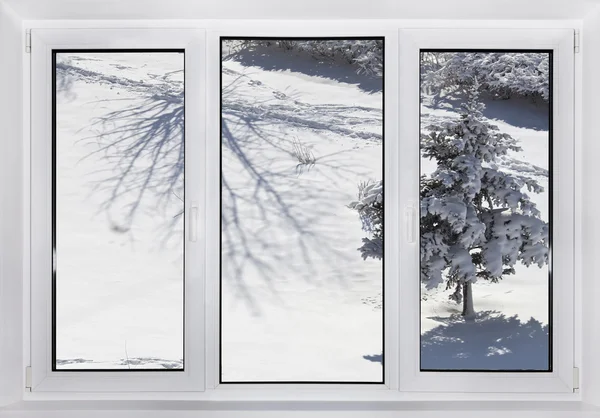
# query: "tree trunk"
468, 310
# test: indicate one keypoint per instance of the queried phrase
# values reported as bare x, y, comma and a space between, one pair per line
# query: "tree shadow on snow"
492, 341
66, 362
521, 112
141, 140
273, 58
64, 83
143, 145
151, 363
249, 131
518, 111
139, 363
375, 358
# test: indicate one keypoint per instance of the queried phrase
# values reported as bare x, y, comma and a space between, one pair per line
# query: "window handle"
194, 221
410, 218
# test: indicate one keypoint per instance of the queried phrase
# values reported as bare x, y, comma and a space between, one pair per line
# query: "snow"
510, 330
299, 302
119, 245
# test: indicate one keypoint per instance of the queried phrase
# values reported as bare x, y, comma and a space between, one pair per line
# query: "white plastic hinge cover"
28, 41
28, 377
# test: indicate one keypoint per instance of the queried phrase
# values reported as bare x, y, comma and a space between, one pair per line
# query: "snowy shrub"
370, 209
477, 221
505, 74
302, 153
366, 55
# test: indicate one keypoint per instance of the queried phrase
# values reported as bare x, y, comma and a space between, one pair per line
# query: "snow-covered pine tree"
477, 220
370, 209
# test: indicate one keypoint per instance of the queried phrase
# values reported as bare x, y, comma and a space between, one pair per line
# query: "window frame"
412, 386
44, 41
560, 379
213, 188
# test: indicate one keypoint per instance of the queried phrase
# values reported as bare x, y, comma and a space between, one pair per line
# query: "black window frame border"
551, 86
220, 313
53, 254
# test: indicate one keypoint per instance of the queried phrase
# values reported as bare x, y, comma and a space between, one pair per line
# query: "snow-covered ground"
510, 331
118, 211
298, 301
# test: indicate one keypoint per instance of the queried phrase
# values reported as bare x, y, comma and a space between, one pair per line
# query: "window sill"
429, 409
320, 395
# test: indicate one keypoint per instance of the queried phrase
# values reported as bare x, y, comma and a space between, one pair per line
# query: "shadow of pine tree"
492, 341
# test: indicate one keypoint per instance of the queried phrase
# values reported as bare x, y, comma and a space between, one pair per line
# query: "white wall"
243, 411
304, 9
591, 202
12, 218
11, 204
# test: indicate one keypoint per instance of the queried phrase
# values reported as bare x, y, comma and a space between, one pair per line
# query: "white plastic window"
238, 336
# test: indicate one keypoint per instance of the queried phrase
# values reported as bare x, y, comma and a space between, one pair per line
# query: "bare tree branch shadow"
138, 145
143, 146
142, 143
257, 137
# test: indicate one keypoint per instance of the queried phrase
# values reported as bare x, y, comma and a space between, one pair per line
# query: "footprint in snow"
279, 95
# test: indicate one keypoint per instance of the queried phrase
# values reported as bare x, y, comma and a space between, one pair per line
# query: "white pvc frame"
213, 188
401, 99
560, 380
43, 42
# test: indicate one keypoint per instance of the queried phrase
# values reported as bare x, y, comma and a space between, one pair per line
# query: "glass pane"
302, 210
118, 234
486, 145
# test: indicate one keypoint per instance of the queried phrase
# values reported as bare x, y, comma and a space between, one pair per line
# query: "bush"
370, 209
366, 55
505, 74
302, 153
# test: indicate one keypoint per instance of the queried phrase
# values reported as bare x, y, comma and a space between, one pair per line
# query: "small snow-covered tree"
370, 209
477, 220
